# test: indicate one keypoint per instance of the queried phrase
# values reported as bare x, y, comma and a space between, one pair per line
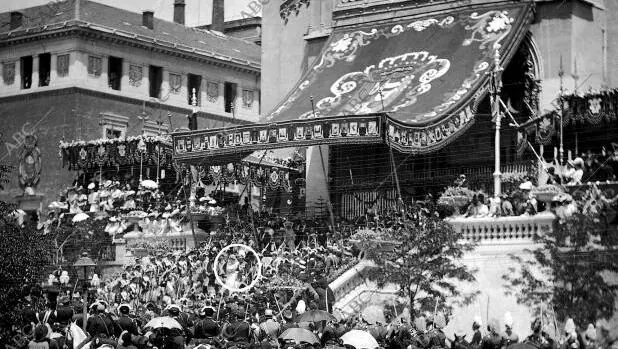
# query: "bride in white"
232, 279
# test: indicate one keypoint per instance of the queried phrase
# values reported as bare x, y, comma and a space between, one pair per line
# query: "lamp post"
495, 84
84, 266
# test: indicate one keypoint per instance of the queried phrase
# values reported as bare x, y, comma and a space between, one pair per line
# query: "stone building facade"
80, 70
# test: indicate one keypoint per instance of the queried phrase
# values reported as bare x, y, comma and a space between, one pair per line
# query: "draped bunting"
116, 152
591, 108
270, 178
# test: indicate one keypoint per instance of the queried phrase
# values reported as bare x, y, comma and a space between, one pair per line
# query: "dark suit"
99, 325
64, 314
206, 328
125, 323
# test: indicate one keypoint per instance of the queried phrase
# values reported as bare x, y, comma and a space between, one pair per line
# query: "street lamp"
84, 266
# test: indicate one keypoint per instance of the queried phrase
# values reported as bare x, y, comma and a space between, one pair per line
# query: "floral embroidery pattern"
394, 81
429, 93
489, 27
594, 105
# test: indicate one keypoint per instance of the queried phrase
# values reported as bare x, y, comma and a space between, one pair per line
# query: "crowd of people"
300, 325
207, 296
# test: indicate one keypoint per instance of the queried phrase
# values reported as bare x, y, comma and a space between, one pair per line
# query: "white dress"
231, 274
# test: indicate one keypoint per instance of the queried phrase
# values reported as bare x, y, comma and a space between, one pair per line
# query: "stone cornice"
85, 29
125, 99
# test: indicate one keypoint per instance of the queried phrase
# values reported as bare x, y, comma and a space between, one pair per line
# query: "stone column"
35, 71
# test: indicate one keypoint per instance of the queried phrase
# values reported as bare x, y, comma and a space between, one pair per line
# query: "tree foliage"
569, 272
423, 259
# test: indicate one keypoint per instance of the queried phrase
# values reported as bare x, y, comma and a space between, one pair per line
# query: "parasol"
80, 217
299, 335
163, 322
315, 316
360, 340
149, 184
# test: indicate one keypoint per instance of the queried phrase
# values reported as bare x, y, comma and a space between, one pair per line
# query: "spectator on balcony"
529, 204
552, 177
482, 210
576, 171
472, 208
506, 206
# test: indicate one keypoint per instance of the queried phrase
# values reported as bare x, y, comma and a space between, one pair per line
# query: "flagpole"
495, 88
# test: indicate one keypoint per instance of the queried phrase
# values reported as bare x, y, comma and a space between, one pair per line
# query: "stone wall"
72, 114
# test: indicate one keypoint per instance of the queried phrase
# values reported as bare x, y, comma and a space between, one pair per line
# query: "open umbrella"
163, 322
360, 340
299, 335
315, 316
149, 184
80, 217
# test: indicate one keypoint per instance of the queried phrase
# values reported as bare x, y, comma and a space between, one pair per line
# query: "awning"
415, 80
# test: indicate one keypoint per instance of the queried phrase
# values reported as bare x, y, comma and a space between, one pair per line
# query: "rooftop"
62, 16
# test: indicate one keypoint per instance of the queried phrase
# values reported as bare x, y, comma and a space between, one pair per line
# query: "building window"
111, 133
193, 88
94, 66
8, 73
114, 126
155, 76
26, 72
44, 69
229, 96
175, 83
62, 65
114, 76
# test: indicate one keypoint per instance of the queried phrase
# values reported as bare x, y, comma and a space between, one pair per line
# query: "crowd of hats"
131, 210
290, 265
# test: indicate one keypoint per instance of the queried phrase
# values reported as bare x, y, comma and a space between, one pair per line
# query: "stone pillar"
35, 71
53, 72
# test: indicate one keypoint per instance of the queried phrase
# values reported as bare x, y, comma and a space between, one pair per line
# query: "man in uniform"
125, 322
539, 338
206, 328
179, 337
270, 328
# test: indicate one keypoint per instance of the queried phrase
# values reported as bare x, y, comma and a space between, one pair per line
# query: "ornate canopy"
414, 83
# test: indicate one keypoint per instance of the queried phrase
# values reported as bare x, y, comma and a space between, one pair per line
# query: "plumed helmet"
569, 326
301, 307
508, 319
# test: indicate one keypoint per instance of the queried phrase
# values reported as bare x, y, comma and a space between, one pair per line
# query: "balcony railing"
504, 230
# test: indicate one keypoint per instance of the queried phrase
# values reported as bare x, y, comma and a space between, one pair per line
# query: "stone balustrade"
503, 230
350, 280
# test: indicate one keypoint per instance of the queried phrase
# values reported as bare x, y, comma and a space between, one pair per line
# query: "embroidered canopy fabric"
78, 155
412, 82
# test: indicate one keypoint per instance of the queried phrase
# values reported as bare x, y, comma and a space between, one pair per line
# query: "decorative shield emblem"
212, 91
30, 162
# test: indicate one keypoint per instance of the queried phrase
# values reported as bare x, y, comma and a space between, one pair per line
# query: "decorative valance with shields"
414, 83
79, 155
